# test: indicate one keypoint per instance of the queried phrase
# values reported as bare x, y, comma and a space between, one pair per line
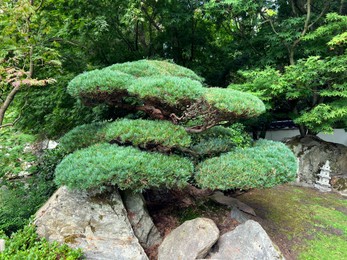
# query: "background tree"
23, 50
313, 91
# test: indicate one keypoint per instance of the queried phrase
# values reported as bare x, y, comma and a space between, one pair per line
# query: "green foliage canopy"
191, 133
265, 164
101, 165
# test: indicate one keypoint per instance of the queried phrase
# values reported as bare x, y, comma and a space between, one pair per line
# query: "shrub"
83, 136
129, 168
12, 158
266, 164
18, 201
145, 132
25, 244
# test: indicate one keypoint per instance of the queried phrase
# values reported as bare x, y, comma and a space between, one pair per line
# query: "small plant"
19, 200
25, 244
12, 158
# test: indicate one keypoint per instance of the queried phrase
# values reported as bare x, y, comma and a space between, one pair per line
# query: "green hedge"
266, 164
129, 168
143, 132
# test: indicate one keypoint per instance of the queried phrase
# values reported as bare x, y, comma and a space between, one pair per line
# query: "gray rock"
238, 215
140, 220
219, 197
97, 224
192, 240
339, 184
312, 153
246, 241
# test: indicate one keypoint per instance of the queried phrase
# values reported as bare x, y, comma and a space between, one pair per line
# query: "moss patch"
305, 223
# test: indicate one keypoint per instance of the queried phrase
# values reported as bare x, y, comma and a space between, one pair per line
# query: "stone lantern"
323, 178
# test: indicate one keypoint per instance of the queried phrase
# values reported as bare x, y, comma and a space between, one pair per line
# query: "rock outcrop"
313, 152
97, 224
191, 240
246, 241
140, 220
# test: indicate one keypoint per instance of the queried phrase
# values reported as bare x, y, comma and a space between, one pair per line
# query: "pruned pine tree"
179, 134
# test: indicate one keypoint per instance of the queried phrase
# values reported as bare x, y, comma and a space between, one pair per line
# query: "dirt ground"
292, 216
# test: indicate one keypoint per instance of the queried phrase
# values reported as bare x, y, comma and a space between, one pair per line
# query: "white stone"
2, 245
324, 178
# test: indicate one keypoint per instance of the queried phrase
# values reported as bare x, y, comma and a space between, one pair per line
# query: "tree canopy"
158, 150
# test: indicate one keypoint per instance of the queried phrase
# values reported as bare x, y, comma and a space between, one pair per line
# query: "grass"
314, 224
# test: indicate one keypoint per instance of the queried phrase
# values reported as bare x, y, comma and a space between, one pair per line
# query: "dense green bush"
219, 139
83, 136
266, 164
12, 158
25, 244
101, 165
167, 89
143, 132
19, 200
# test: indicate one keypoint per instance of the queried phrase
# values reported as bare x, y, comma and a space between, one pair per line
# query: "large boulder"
246, 241
313, 152
191, 240
97, 224
143, 226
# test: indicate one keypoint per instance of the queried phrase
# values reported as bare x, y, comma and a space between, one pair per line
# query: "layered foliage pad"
145, 132
234, 104
160, 89
168, 90
97, 82
83, 136
138, 132
149, 68
102, 165
266, 164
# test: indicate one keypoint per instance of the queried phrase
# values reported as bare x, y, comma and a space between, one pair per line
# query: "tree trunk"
291, 56
341, 9
7, 103
303, 130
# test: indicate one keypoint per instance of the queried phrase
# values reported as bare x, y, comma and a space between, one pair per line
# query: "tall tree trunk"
291, 56
342, 9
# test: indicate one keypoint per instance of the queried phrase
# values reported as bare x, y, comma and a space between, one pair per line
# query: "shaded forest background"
289, 53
